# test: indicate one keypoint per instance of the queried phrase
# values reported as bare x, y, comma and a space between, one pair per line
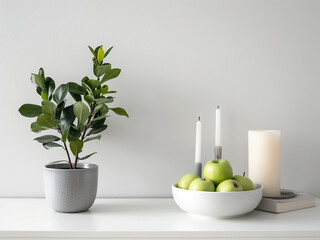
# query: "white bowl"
217, 204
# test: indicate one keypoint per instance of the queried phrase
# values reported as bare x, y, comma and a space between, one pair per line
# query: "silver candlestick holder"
218, 152
198, 169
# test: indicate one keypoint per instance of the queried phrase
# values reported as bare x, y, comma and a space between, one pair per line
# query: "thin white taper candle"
198, 140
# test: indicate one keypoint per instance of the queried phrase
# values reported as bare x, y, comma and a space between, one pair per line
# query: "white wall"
258, 59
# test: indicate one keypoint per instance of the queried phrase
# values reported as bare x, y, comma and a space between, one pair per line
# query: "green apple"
200, 184
229, 185
217, 171
245, 182
185, 181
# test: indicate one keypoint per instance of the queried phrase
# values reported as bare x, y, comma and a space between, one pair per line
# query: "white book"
300, 201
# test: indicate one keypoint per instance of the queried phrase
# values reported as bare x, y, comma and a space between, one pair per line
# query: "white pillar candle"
264, 160
218, 147
198, 141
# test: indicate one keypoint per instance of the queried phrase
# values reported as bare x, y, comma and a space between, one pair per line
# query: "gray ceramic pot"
70, 190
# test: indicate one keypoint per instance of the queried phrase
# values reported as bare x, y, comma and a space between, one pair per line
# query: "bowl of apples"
219, 193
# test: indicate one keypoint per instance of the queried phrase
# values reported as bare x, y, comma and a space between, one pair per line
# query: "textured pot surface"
70, 190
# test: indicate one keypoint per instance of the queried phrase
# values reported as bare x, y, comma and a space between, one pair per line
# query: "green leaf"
89, 98
91, 49
85, 79
76, 91
67, 118
60, 93
102, 69
98, 137
76, 146
95, 63
30, 110
113, 73
38, 80
46, 121
93, 83
96, 50
104, 89
104, 111
88, 89
76, 97
100, 55
120, 111
81, 111
99, 118
99, 107
85, 157
48, 108
36, 128
65, 134
104, 100
97, 93
80, 127
98, 123
75, 88
74, 133
96, 130
41, 73
108, 51
59, 109
44, 95
111, 92
47, 138
51, 145
39, 90
101, 114
50, 86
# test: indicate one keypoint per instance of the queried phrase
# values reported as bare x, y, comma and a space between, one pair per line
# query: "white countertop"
146, 218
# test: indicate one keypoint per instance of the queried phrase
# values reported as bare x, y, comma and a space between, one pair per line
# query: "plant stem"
84, 132
66, 148
69, 160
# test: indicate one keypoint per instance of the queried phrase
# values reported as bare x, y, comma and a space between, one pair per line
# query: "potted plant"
71, 186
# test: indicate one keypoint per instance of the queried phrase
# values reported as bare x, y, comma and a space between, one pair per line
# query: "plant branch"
65, 148
85, 131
